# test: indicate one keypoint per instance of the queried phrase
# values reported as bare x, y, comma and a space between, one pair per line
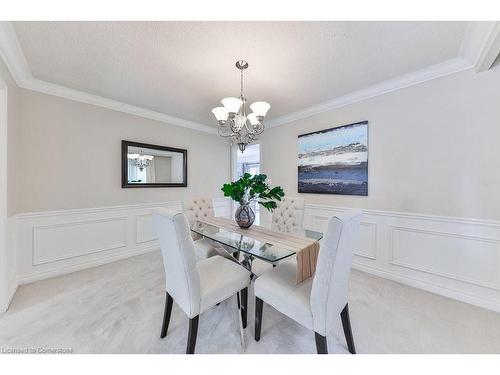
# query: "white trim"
83, 265
392, 260
38, 260
481, 44
13, 56
429, 286
423, 75
112, 243
409, 215
95, 210
5, 280
373, 255
446, 271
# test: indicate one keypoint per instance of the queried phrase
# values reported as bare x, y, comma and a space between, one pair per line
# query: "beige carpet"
117, 308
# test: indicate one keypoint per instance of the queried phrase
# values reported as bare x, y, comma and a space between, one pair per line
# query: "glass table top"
248, 245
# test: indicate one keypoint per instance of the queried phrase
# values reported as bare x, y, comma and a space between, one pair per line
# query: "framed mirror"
145, 165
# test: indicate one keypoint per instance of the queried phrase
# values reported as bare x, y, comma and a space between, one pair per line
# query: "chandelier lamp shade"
233, 120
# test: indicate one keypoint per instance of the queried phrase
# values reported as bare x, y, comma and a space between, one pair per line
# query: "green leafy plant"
253, 188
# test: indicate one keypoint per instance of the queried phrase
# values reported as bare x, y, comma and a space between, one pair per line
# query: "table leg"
242, 331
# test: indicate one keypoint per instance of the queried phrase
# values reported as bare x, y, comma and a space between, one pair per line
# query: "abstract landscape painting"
335, 161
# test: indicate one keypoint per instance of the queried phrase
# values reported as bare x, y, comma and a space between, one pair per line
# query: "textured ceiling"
185, 68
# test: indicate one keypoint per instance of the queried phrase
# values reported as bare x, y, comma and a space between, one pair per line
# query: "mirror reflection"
154, 166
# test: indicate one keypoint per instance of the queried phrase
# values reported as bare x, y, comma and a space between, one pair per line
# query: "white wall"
67, 156
433, 148
65, 205
434, 162
8, 277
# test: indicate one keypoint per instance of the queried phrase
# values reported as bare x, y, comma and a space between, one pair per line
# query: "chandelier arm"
232, 126
224, 135
261, 127
249, 138
250, 131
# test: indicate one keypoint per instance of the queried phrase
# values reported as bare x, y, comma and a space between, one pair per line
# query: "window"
247, 162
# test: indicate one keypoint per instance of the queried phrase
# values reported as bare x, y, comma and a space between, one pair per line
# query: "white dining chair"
195, 208
289, 215
318, 301
194, 287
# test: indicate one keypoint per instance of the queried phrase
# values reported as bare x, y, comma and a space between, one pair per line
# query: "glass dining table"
244, 249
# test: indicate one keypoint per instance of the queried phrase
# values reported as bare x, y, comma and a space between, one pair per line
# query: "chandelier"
233, 120
140, 160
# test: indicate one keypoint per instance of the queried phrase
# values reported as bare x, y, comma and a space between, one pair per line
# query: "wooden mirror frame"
126, 184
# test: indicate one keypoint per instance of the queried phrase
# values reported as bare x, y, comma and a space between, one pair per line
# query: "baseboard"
455, 257
53, 243
83, 265
430, 287
9, 297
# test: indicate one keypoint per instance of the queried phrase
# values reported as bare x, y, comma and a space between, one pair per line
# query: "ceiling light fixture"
233, 121
140, 160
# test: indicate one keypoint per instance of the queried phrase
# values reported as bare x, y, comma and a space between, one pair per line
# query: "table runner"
305, 248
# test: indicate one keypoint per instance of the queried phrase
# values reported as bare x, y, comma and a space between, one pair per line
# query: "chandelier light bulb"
260, 108
232, 105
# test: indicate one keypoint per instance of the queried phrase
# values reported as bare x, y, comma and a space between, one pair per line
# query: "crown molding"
13, 56
84, 97
423, 75
481, 44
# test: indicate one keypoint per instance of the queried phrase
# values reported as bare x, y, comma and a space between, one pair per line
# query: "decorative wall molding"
53, 243
481, 44
144, 228
454, 276
455, 257
423, 75
13, 56
71, 238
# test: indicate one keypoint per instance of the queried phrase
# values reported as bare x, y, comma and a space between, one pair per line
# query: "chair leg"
346, 324
244, 306
166, 315
193, 332
321, 346
259, 304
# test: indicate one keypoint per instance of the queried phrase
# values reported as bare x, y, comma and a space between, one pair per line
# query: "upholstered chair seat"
317, 302
195, 208
195, 286
289, 215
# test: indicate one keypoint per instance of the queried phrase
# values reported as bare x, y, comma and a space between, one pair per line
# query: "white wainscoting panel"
455, 257
56, 242
48, 244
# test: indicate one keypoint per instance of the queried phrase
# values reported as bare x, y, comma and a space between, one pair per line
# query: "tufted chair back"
289, 215
331, 280
177, 249
194, 208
